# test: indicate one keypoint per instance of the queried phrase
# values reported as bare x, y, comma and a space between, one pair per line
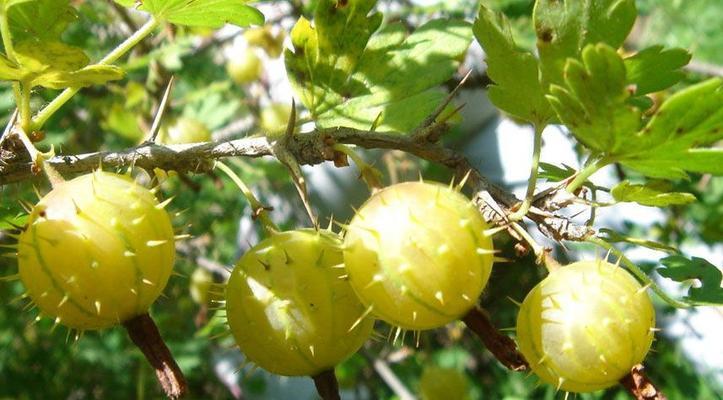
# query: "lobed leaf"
592, 101
565, 28
674, 139
517, 89
655, 194
680, 269
347, 75
54, 65
200, 13
39, 19
655, 69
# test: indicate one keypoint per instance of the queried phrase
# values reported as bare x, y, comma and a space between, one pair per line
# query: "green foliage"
39, 19
54, 65
655, 69
592, 101
565, 28
200, 13
672, 141
681, 269
517, 89
348, 76
654, 194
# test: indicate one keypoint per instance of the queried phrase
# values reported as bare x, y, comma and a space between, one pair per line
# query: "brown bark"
144, 333
326, 385
500, 345
640, 386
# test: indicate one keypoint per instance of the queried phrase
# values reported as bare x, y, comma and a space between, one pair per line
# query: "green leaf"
654, 194
615, 237
680, 269
655, 69
54, 65
553, 173
201, 13
347, 77
592, 102
564, 28
673, 140
517, 89
40, 19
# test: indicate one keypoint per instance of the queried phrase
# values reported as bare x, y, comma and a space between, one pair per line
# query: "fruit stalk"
144, 333
640, 386
327, 385
501, 346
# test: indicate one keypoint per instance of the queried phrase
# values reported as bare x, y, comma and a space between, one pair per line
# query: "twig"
501, 346
145, 335
312, 148
640, 386
327, 385
389, 377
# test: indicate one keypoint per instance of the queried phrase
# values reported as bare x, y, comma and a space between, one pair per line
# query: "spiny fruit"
417, 254
289, 307
274, 118
97, 251
264, 37
439, 383
585, 326
184, 130
245, 67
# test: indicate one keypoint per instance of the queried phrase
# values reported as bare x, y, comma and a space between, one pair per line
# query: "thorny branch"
310, 148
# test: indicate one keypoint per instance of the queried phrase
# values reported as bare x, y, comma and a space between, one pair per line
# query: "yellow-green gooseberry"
418, 254
585, 326
289, 306
184, 130
97, 251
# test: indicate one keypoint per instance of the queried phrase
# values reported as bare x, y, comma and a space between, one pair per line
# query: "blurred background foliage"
37, 362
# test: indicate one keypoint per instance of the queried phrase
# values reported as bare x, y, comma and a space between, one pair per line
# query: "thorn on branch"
423, 131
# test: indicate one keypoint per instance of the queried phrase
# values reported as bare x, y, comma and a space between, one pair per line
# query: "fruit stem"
372, 176
590, 168
640, 386
43, 115
534, 172
259, 210
327, 385
144, 333
501, 346
642, 276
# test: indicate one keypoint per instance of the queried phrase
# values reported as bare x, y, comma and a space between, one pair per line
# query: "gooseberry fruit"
264, 38
97, 251
289, 307
417, 254
245, 67
439, 383
275, 118
585, 326
184, 130
200, 286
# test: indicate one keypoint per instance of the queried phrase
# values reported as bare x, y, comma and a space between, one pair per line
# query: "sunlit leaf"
564, 28
348, 77
593, 101
655, 194
655, 69
201, 13
515, 72
681, 269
